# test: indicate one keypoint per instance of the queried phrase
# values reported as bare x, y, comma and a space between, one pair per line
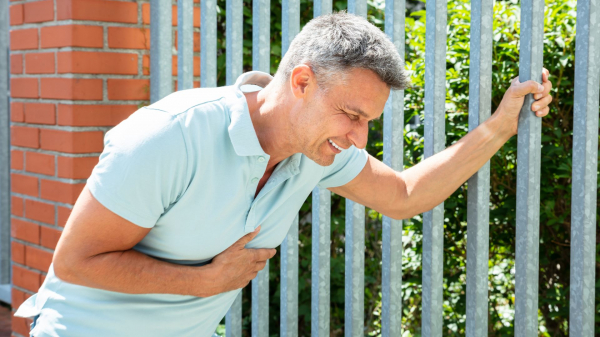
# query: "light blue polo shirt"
187, 167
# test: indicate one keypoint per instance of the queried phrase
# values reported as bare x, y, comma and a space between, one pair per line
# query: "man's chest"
218, 209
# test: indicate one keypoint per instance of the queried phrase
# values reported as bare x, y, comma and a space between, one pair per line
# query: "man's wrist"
502, 126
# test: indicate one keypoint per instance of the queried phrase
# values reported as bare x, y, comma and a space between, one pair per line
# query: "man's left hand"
515, 96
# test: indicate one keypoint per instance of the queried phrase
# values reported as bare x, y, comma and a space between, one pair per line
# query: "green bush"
559, 54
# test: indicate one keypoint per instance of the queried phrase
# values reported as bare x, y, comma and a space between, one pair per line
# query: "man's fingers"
247, 238
528, 87
263, 254
542, 112
260, 265
542, 103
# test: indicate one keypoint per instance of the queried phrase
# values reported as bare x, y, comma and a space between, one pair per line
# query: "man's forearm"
136, 273
434, 179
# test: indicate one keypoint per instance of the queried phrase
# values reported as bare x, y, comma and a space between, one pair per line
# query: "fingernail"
540, 88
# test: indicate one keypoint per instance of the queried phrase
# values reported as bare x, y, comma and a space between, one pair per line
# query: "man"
192, 193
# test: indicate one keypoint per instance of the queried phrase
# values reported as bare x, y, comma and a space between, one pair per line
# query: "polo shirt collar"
241, 131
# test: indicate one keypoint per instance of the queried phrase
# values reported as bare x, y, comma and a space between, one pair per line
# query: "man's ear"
302, 81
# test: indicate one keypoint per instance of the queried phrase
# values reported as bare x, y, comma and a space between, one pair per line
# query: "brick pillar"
78, 67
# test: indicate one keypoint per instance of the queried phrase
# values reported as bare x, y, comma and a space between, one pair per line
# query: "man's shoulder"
192, 99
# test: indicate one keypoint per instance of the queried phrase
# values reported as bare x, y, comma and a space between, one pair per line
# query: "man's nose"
359, 134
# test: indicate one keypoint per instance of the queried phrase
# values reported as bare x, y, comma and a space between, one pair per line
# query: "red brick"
24, 87
17, 112
16, 15
71, 142
63, 215
97, 10
21, 325
16, 64
129, 37
25, 278
76, 167
71, 88
39, 11
24, 184
93, 115
49, 237
128, 89
24, 39
39, 63
146, 15
61, 192
16, 206
72, 36
39, 163
37, 258
25, 230
16, 160
24, 136
17, 252
40, 113
39, 211
82, 62
146, 64
18, 297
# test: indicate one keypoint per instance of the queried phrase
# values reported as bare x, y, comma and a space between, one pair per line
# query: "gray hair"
335, 43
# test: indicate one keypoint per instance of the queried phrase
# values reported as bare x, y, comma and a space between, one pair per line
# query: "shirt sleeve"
346, 166
143, 167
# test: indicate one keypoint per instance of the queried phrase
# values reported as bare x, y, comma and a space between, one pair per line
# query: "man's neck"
271, 122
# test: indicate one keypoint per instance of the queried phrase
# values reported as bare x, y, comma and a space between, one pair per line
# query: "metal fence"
585, 145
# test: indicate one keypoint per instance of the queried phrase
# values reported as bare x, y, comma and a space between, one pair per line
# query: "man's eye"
352, 117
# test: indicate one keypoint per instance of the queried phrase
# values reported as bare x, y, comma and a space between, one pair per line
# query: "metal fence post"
585, 166
433, 221
393, 156
528, 174
478, 197
161, 44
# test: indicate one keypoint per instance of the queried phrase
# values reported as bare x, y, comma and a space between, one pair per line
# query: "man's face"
339, 118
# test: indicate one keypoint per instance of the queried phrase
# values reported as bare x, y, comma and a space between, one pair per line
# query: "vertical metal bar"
161, 44
208, 43
234, 40
354, 304
528, 174
478, 197
358, 7
321, 240
261, 61
4, 149
322, 7
320, 276
260, 303
290, 26
261, 43
233, 319
234, 68
185, 44
433, 221
393, 144
289, 283
585, 164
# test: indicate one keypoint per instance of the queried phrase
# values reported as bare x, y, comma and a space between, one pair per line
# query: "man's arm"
95, 251
401, 195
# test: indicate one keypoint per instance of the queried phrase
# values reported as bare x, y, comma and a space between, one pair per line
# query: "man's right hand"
236, 266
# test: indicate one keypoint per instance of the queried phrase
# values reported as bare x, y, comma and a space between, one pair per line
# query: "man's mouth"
335, 145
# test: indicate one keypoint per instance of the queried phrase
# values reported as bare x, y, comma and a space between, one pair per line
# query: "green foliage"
559, 53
